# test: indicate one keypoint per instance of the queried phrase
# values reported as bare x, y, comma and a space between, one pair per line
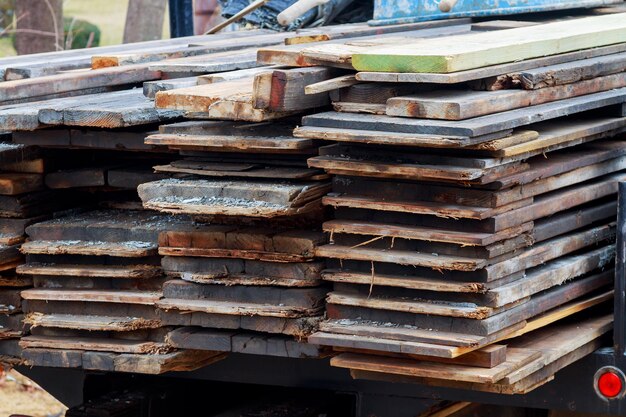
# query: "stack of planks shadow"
23, 200
474, 196
245, 277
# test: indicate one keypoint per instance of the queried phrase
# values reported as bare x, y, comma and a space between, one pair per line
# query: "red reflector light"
610, 384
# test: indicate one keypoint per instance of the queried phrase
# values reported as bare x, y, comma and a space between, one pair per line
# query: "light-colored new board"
463, 52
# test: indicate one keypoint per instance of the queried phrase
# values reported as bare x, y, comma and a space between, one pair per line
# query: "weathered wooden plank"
429, 260
361, 161
15, 152
235, 75
544, 174
465, 104
90, 322
53, 358
104, 271
554, 135
133, 249
272, 298
556, 341
433, 140
15, 183
115, 226
97, 296
249, 343
208, 269
448, 216
93, 344
209, 169
60, 64
558, 349
443, 160
516, 358
234, 198
473, 127
200, 98
447, 309
295, 242
31, 166
355, 30
552, 249
240, 108
235, 308
204, 51
298, 327
538, 304
419, 342
184, 360
554, 273
109, 110
330, 84
151, 88
287, 88
216, 62
570, 72
340, 53
72, 81
234, 143
448, 211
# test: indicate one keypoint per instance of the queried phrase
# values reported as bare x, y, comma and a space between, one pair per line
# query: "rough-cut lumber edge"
332, 84
152, 364
93, 344
516, 358
236, 308
105, 271
73, 247
465, 104
91, 323
101, 296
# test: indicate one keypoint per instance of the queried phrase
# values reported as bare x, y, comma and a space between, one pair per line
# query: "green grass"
108, 15
6, 47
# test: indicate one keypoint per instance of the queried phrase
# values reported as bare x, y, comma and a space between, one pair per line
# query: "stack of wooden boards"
469, 210
97, 278
85, 110
245, 278
23, 201
473, 191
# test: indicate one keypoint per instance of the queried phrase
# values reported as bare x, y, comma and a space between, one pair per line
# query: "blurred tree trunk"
39, 26
144, 20
206, 14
